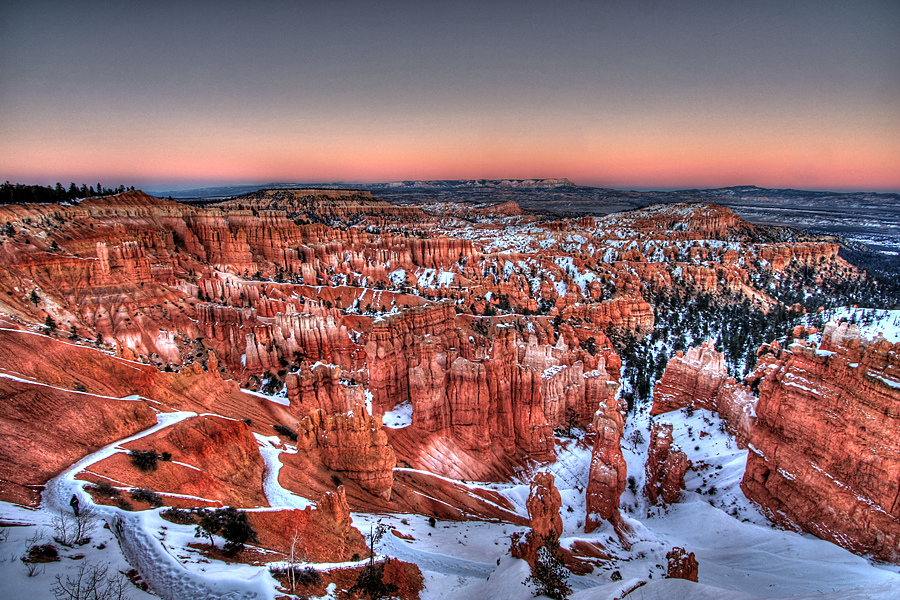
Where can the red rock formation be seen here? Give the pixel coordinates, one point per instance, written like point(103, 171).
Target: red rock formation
point(825, 456)
point(354, 444)
point(46, 429)
point(498, 403)
point(690, 380)
point(631, 314)
point(609, 472)
point(321, 535)
point(327, 204)
point(665, 468)
point(811, 253)
point(543, 505)
point(320, 388)
point(698, 379)
point(681, 565)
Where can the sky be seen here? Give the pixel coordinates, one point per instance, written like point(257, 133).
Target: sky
point(633, 94)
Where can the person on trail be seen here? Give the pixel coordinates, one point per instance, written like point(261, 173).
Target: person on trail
point(74, 504)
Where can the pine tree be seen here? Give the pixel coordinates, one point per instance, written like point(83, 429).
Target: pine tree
point(549, 574)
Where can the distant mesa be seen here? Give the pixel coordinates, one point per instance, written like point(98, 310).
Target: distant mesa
point(481, 183)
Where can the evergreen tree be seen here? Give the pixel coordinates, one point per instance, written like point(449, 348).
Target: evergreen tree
point(549, 574)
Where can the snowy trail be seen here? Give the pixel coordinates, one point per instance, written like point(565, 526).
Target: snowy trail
point(163, 572)
point(276, 495)
point(62, 487)
point(430, 561)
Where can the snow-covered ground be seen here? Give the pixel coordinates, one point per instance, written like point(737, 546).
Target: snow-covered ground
point(870, 321)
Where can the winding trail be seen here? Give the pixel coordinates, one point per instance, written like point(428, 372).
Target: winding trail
point(163, 572)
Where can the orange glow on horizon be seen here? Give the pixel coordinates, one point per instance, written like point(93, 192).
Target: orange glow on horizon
point(634, 164)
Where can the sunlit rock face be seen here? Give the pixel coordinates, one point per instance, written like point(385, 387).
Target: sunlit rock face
point(825, 455)
point(354, 444)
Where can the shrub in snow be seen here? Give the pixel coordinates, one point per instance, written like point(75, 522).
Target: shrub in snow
point(105, 489)
point(285, 431)
point(371, 584)
point(177, 515)
point(229, 523)
point(41, 553)
point(91, 582)
point(299, 576)
point(72, 529)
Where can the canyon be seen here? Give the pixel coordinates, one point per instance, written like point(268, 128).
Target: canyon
point(323, 359)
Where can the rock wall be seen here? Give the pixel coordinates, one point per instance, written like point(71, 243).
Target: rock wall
point(825, 455)
point(323, 534)
point(497, 396)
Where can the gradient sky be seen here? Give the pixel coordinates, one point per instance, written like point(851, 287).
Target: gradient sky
point(637, 94)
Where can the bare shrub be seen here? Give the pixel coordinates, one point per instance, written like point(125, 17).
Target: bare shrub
point(71, 529)
point(91, 582)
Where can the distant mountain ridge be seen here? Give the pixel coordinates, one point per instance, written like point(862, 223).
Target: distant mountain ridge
point(237, 190)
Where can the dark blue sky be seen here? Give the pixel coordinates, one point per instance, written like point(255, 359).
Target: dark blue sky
point(633, 94)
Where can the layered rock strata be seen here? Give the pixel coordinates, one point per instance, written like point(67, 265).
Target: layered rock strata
point(354, 444)
point(825, 455)
point(500, 399)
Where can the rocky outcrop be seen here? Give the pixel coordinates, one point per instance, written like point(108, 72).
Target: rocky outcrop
point(314, 204)
point(354, 444)
point(810, 253)
point(665, 468)
point(543, 505)
point(825, 456)
point(498, 403)
point(608, 472)
point(320, 387)
point(698, 379)
point(214, 462)
point(631, 314)
point(681, 565)
point(691, 379)
point(323, 534)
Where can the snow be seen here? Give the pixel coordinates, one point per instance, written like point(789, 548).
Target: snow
point(137, 538)
point(280, 398)
point(276, 495)
point(871, 322)
point(399, 417)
